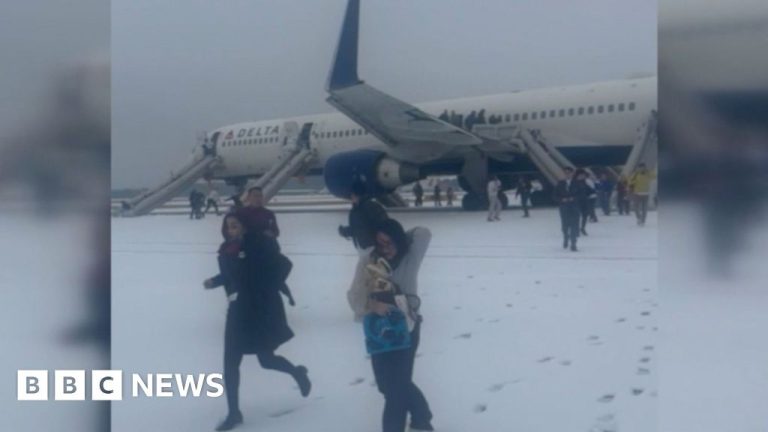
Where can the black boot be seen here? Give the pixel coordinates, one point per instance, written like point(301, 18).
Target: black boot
point(573, 247)
point(583, 231)
point(302, 379)
point(232, 420)
point(565, 243)
point(426, 427)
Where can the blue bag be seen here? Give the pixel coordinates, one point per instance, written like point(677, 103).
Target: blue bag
point(386, 333)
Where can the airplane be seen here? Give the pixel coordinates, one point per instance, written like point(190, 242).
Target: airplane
point(386, 143)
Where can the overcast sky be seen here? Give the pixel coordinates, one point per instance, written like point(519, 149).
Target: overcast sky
point(183, 67)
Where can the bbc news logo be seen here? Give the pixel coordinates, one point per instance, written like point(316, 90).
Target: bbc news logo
point(107, 385)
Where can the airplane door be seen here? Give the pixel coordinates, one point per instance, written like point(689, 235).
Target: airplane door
point(305, 140)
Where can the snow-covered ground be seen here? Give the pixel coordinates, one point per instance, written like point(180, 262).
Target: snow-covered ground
point(519, 334)
point(43, 288)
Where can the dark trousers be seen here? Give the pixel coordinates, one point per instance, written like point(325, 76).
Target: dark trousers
point(623, 203)
point(641, 207)
point(419, 201)
point(569, 220)
point(394, 377)
point(209, 204)
point(605, 202)
point(524, 201)
point(232, 359)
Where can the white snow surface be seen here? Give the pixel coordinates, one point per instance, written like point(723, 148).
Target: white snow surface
point(519, 334)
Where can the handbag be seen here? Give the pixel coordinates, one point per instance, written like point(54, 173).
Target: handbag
point(386, 333)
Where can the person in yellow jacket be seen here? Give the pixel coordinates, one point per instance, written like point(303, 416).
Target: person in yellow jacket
point(640, 185)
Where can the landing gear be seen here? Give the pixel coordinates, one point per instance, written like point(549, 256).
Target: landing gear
point(542, 198)
point(504, 200)
point(474, 202)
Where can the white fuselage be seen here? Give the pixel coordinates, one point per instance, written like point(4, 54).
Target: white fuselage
point(600, 114)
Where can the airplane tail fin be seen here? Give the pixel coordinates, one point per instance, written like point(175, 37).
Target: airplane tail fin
point(344, 70)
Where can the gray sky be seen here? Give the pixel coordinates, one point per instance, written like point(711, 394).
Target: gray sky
point(183, 67)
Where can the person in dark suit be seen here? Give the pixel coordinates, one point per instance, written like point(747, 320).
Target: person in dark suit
point(568, 193)
point(253, 273)
point(524, 192)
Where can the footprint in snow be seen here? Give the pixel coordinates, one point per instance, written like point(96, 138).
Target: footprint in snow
point(538, 282)
point(357, 381)
point(621, 320)
point(637, 391)
point(643, 371)
point(645, 313)
point(606, 423)
point(495, 320)
point(606, 398)
point(282, 413)
point(648, 348)
point(480, 408)
point(496, 387)
point(463, 336)
point(593, 338)
point(645, 360)
point(457, 307)
point(640, 327)
point(545, 360)
point(565, 363)
point(471, 277)
point(509, 305)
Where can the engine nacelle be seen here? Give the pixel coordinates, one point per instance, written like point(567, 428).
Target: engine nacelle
point(381, 174)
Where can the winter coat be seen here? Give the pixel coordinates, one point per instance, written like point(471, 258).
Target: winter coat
point(259, 219)
point(363, 220)
point(405, 274)
point(256, 320)
point(574, 193)
point(640, 182)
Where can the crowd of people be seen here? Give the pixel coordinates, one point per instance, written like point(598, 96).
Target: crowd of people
point(383, 295)
point(577, 195)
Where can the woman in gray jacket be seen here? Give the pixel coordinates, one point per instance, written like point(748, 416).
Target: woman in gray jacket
point(393, 370)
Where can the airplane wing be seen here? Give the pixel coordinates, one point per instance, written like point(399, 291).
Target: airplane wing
point(409, 131)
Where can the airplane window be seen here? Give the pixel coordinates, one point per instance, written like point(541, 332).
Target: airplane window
point(610, 108)
point(600, 109)
point(551, 113)
point(517, 117)
point(581, 110)
point(571, 111)
point(631, 106)
point(525, 116)
point(591, 110)
point(621, 107)
point(561, 113)
point(507, 118)
point(543, 114)
point(533, 116)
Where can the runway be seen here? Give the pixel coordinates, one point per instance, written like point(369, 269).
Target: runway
point(517, 331)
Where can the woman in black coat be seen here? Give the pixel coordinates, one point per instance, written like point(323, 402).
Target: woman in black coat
point(253, 273)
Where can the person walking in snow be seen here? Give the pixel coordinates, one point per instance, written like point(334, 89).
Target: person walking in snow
point(494, 203)
point(365, 215)
point(418, 193)
point(253, 273)
point(567, 194)
point(524, 192)
point(393, 324)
